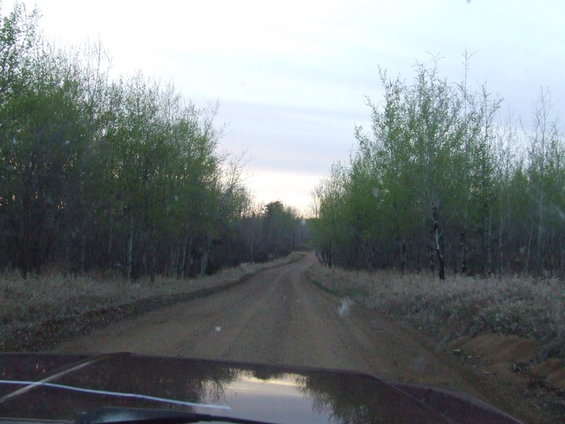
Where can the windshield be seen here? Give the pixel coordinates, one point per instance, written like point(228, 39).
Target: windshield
point(363, 186)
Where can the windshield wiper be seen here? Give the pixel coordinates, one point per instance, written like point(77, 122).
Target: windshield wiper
point(113, 415)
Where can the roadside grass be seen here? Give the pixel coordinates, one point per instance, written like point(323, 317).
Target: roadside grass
point(460, 306)
point(27, 304)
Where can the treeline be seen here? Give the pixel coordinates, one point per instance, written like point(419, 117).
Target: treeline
point(438, 184)
point(123, 174)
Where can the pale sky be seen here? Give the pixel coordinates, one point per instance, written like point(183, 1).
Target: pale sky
point(291, 77)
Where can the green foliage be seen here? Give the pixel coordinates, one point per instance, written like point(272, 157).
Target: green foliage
point(435, 184)
point(114, 174)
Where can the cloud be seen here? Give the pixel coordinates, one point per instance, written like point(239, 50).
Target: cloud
point(288, 138)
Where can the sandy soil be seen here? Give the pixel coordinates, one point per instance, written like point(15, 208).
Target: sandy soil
point(279, 317)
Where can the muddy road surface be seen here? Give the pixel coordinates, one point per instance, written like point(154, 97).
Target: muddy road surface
point(279, 317)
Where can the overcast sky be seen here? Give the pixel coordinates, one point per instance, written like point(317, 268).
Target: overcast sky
point(291, 77)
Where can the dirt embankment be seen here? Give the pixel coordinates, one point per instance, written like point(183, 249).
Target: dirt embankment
point(472, 320)
point(280, 317)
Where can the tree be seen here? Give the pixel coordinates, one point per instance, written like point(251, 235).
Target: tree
point(113, 174)
point(436, 184)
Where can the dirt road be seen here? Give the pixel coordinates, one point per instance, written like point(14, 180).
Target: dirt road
point(279, 317)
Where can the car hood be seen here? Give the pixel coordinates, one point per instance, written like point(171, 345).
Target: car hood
point(72, 384)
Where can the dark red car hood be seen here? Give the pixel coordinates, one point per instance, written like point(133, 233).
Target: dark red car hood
point(72, 384)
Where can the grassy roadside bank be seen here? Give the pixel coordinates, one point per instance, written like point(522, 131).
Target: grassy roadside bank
point(39, 312)
point(462, 306)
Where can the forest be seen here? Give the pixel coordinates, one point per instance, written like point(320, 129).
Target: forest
point(121, 173)
point(125, 174)
point(441, 182)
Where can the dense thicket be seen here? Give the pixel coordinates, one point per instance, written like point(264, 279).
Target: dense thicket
point(438, 184)
point(121, 174)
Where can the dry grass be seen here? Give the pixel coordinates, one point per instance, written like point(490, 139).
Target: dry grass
point(461, 306)
point(26, 304)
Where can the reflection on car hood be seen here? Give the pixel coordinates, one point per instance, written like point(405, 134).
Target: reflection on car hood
point(72, 384)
